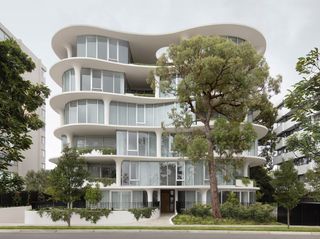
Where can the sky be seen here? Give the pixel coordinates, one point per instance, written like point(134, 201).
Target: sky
point(290, 27)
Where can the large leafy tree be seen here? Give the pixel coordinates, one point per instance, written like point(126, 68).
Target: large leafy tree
point(288, 188)
point(37, 182)
point(10, 182)
point(19, 100)
point(304, 103)
point(217, 78)
point(67, 179)
point(261, 175)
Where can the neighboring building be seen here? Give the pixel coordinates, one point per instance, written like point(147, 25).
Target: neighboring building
point(35, 156)
point(107, 105)
point(307, 212)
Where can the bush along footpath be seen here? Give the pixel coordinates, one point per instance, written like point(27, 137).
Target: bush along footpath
point(139, 213)
point(232, 212)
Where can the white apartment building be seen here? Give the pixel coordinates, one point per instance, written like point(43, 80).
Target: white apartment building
point(285, 127)
point(106, 105)
point(35, 157)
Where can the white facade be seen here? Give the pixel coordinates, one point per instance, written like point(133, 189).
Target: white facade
point(284, 128)
point(106, 105)
point(35, 156)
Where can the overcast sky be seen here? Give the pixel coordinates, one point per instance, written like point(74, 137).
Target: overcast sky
point(291, 28)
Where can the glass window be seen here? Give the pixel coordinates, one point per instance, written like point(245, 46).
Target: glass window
point(143, 144)
point(81, 46)
point(65, 82)
point(96, 80)
point(123, 52)
point(131, 114)
point(100, 112)
point(180, 171)
point(152, 144)
point(73, 112)
point(122, 114)
point(113, 51)
point(113, 119)
point(94, 170)
point(125, 173)
point(117, 83)
point(115, 200)
point(92, 111)
point(141, 113)
point(132, 141)
point(121, 142)
point(85, 79)
point(171, 174)
point(134, 171)
point(66, 114)
point(107, 81)
point(91, 46)
point(103, 48)
point(163, 174)
point(82, 111)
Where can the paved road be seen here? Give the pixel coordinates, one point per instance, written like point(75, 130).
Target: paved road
point(152, 235)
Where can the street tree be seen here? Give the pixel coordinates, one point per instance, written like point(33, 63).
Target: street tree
point(37, 182)
point(303, 101)
point(288, 189)
point(19, 101)
point(216, 78)
point(66, 181)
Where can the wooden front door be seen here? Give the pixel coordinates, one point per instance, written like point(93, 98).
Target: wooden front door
point(167, 201)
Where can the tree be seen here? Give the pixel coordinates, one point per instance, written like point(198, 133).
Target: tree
point(10, 182)
point(67, 179)
point(263, 180)
point(37, 182)
point(288, 189)
point(304, 102)
point(216, 78)
point(93, 195)
point(19, 101)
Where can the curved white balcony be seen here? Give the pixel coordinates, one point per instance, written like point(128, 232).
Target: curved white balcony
point(286, 156)
point(285, 126)
point(282, 112)
point(136, 73)
point(58, 102)
point(143, 47)
point(282, 143)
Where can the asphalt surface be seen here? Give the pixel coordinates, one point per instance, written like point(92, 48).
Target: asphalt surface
point(153, 235)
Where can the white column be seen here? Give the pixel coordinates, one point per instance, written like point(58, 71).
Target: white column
point(77, 76)
point(118, 172)
point(69, 51)
point(106, 111)
point(204, 196)
point(157, 84)
point(158, 135)
point(69, 139)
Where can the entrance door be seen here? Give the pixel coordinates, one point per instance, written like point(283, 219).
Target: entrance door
point(167, 201)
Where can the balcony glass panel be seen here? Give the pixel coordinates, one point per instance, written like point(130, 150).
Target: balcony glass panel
point(91, 46)
point(81, 46)
point(102, 48)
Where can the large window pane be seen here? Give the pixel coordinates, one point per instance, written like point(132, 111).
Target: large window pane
point(163, 174)
point(116, 200)
point(117, 83)
point(152, 144)
point(103, 48)
point(132, 141)
point(85, 79)
point(134, 170)
point(91, 46)
point(107, 81)
point(149, 115)
point(125, 173)
point(143, 144)
point(96, 80)
point(122, 114)
point(81, 46)
point(65, 82)
point(100, 112)
point(141, 114)
point(73, 112)
point(113, 50)
point(92, 111)
point(113, 119)
point(131, 114)
point(82, 110)
point(171, 174)
point(66, 114)
point(123, 52)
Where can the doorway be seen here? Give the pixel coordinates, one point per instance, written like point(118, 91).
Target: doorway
point(167, 201)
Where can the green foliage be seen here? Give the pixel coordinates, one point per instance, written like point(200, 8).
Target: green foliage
point(288, 189)
point(104, 151)
point(218, 79)
point(10, 182)
point(93, 195)
point(104, 181)
point(67, 179)
point(65, 214)
point(246, 181)
point(313, 177)
point(199, 210)
point(142, 212)
point(263, 180)
point(261, 213)
point(20, 99)
point(37, 181)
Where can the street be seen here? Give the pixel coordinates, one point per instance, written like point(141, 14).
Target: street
point(152, 234)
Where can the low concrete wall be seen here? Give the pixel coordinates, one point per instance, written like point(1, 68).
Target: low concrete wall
point(115, 218)
point(13, 214)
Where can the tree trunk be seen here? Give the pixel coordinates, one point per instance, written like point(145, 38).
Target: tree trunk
point(214, 190)
point(288, 217)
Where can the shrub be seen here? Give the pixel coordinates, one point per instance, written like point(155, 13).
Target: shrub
point(142, 212)
point(199, 210)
